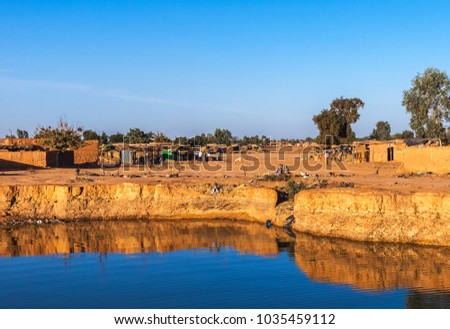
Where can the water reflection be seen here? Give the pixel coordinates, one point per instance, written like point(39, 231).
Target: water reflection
point(370, 266)
point(361, 265)
point(141, 236)
point(417, 299)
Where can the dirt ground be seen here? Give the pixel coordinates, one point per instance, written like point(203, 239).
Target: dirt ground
point(239, 169)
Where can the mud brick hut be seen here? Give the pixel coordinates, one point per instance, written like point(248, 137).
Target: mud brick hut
point(25, 153)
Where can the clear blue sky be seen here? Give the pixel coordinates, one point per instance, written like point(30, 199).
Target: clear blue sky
point(185, 67)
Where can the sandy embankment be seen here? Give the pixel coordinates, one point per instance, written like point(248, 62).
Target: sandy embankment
point(359, 213)
point(375, 215)
point(136, 201)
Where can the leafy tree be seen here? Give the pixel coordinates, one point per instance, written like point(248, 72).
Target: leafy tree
point(329, 123)
point(22, 133)
point(382, 131)
point(61, 138)
point(337, 120)
point(223, 136)
point(137, 136)
point(347, 108)
point(265, 140)
point(90, 135)
point(104, 139)
point(428, 102)
point(116, 138)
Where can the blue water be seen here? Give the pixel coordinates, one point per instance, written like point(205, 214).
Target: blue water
point(188, 278)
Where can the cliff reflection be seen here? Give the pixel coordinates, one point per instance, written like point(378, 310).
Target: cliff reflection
point(369, 266)
point(140, 236)
point(362, 265)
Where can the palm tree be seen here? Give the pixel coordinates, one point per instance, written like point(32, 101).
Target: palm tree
point(160, 137)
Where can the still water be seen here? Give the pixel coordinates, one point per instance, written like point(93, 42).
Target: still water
point(211, 264)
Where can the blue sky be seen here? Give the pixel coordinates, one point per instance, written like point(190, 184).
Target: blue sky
point(186, 67)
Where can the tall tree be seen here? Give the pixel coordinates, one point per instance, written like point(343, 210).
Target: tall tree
point(336, 121)
point(61, 138)
point(22, 133)
point(223, 136)
point(428, 102)
point(329, 123)
point(348, 109)
point(104, 138)
point(382, 131)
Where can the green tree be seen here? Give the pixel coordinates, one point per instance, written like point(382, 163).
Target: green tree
point(116, 138)
point(63, 137)
point(104, 139)
point(428, 102)
point(347, 108)
point(90, 135)
point(336, 121)
point(223, 136)
point(265, 140)
point(136, 136)
point(22, 133)
point(329, 123)
point(382, 131)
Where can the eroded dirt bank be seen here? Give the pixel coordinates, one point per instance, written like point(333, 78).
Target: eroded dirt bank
point(358, 214)
point(371, 215)
point(136, 201)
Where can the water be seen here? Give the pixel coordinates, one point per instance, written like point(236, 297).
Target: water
point(211, 264)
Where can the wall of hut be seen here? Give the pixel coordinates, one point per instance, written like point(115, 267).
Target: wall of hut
point(22, 159)
point(87, 155)
point(425, 159)
point(38, 159)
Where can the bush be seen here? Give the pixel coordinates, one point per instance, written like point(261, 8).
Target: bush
point(292, 188)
